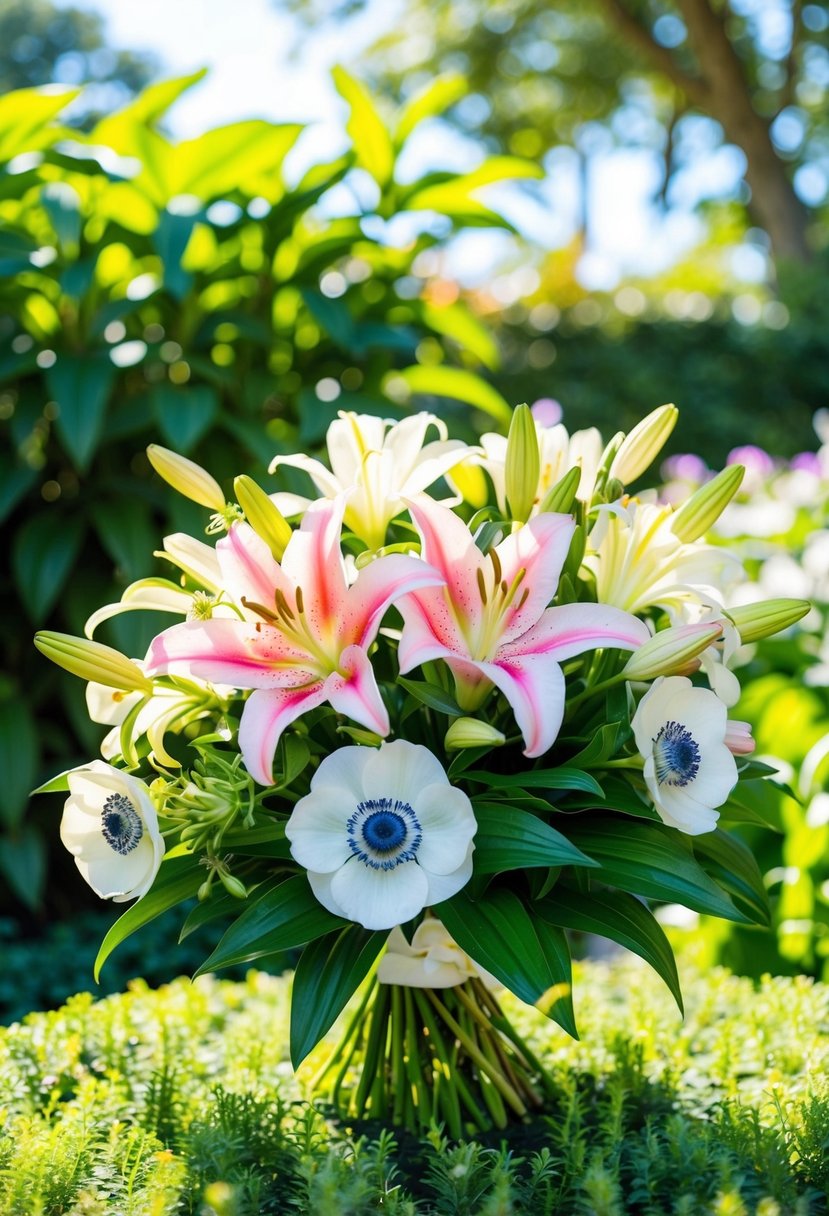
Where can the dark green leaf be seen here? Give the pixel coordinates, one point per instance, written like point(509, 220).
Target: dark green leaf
point(178, 879)
point(509, 839)
point(564, 778)
point(184, 414)
point(529, 957)
point(621, 918)
point(294, 754)
point(18, 759)
point(333, 316)
point(653, 861)
point(222, 904)
point(81, 387)
point(23, 864)
point(126, 533)
point(286, 917)
point(328, 973)
point(432, 695)
point(601, 747)
point(171, 238)
point(733, 865)
point(42, 557)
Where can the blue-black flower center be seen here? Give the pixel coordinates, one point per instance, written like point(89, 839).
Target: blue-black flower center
point(121, 824)
point(384, 832)
point(676, 755)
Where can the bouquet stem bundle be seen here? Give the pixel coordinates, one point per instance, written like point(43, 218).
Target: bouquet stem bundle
point(418, 1056)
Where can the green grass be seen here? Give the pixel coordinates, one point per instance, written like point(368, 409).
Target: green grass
point(181, 1100)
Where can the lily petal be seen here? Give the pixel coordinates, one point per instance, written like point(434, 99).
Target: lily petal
point(449, 547)
point(355, 692)
point(248, 567)
point(430, 630)
point(571, 629)
point(540, 549)
point(265, 716)
point(436, 459)
point(147, 595)
point(323, 479)
point(349, 439)
point(233, 652)
point(534, 686)
point(378, 585)
point(313, 561)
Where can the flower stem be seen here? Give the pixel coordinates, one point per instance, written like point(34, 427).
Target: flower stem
point(475, 1054)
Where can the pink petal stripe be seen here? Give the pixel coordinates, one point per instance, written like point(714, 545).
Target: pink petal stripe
point(378, 585)
point(264, 718)
point(355, 692)
point(313, 561)
point(534, 686)
point(573, 628)
point(539, 548)
point(248, 567)
point(449, 547)
point(429, 630)
point(224, 651)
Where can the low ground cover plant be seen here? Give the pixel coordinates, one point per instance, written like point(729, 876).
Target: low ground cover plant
point(182, 1100)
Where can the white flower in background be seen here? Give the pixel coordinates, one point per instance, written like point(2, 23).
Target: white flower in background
point(382, 834)
point(638, 561)
point(110, 826)
point(559, 453)
point(681, 733)
point(379, 462)
point(433, 960)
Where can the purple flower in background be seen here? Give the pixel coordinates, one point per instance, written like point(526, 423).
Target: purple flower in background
point(756, 460)
point(808, 462)
point(685, 466)
point(546, 411)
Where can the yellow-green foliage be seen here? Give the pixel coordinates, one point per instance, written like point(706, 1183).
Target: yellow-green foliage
point(182, 1101)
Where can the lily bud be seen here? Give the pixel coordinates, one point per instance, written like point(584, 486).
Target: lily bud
point(706, 505)
point(641, 447)
point(189, 478)
point(756, 621)
point(471, 732)
point(523, 464)
point(738, 738)
point(263, 515)
point(233, 885)
point(92, 661)
point(670, 650)
point(563, 494)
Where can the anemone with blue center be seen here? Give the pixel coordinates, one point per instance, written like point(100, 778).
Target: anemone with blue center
point(382, 833)
point(680, 732)
point(110, 825)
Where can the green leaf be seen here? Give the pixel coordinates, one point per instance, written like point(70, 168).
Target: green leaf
point(42, 556)
point(116, 130)
point(222, 904)
point(508, 839)
point(184, 414)
point(23, 864)
point(432, 100)
point(171, 238)
point(125, 532)
point(178, 879)
point(333, 316)
point(262, 840)
point(81, 387)
point(61, 203)
point(15, 482)
point(458, 384)
point(286, 917)
point(653, 861)
point(329, 971)
point(564, 778)
point(456, 194)
point(602, 746)
point(432, 695)
point(733, 865)
point(294, 754)
point(372, 142)
point(25, 120)
point(530, 957)
point(18, 759)
point(621, 918)
point(458, 322)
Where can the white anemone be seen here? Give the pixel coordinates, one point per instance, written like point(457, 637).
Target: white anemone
point(382, 834)
point(680, 731)
point(432, 960)
point(110, 826)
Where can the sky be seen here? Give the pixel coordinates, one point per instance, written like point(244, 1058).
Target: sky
point(247, 45)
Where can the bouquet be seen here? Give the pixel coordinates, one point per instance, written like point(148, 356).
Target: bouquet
point(420, 728)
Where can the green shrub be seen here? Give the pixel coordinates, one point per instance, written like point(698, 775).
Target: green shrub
point(182, 1100)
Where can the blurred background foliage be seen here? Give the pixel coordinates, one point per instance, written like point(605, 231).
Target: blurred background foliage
point(209, 295)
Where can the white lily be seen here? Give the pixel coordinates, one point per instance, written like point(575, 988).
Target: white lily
point(432, 960)
point(379, 463)
point(559, 452)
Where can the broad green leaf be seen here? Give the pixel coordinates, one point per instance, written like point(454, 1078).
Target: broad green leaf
point(757, 801)
point(42, 556)
point(333, 316)
point(458, 384)
point(457, 191)
point(222, 904)
point(81, 387)
point(372, 142)
point(563, 778)
point(62, 204)
point(23, 864)
point(458, 322)
point(601, 747)
point(219, 161)
point(432, 100)
point(293, 756)
point(530, 957)
point(432, 695)
point(126, 533)
point(15, 481)
point(184, 415)
point(25, 120)
point(171, 238)
point(178, 879)
point(328, 973)
point(19, 753)
point(509, 839)
point(620, 917)
point(117, 130)
point(733, 865)
point(653, 861)
point(286, 917)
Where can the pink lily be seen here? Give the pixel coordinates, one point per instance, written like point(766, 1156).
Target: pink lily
point(306, 634)
point(491, 624)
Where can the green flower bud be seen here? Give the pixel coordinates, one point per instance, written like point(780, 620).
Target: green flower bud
point(189, 478)
point(706, 505)
point(92, 661)
point(563, 494)
point(523, 464)
point(232, 884)
point(670, 650)
point(263, 516)
point(471, 732)
point(641, 447)
point(756, 621)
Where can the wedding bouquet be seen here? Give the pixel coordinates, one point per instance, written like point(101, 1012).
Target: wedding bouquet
point(419, 728)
